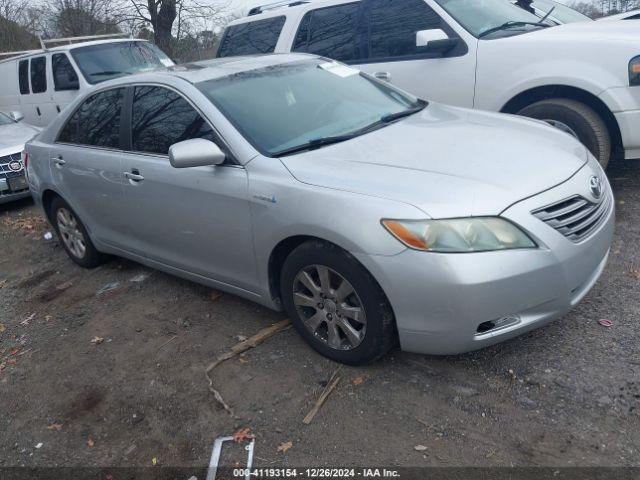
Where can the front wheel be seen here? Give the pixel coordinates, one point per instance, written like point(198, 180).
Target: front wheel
point(576, 119)
point(336, 305)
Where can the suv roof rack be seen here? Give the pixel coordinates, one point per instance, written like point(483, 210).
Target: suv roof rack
point(71, 40)
point(272, 6)
point(17, 54)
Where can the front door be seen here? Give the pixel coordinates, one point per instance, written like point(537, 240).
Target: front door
point(194, 219)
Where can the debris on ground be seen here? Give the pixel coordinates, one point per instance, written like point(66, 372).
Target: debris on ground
point(139, 278)
point(242, 435)
point(215, 295)
point(28, 224)
point(154, 461)
point(26, 321)
point(420, 448)
point(108, 289)
point(2, 327)
point(283, 447)
point(167, 342)
point(90, 442)
point(359, 380)
point(217, 451)
point(239, 348)
point(39, 445)
point(55, 426)
point(97, 340)
point(48, 236)
point(605, 323)
point(331, 385)
point(3, 283)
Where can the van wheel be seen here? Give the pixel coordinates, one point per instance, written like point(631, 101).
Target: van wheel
point(336, 305)
point(577, 119)
point(74, 236)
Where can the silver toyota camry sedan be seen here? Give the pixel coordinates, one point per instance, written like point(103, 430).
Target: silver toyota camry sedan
point(370, 216)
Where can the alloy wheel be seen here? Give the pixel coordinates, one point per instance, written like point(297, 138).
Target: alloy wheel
point(70, 233)
point(329, 307)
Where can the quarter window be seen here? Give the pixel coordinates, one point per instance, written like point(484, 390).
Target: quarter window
point(96, 122)
point(161, 117)
point(23, 76)
point(39, 75)
point(393, 26)
point(331, 32)
point(64, 75)
point(251, 38)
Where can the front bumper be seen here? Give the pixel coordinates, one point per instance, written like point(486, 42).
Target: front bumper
point(440, 300)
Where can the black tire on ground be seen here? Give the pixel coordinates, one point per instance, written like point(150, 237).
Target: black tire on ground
point(91, 257)
point(380, 334)
point(587, 124)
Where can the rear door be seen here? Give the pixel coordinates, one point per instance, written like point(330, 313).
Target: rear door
point(86, 164)
point(194, 219)
point(38, 105)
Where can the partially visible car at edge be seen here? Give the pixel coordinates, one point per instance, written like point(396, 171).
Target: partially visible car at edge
point(367, 214)
point(630, 15)
point(557, 12)
point(13, 135)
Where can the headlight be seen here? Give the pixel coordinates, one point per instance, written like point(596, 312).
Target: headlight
point(634, 72)
point(459, 235)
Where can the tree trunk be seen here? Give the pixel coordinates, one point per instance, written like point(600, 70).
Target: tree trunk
point(162, 21)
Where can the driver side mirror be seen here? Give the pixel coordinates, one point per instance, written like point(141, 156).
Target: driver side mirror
point(197, 152)
point(16, 116)
point(434, 40)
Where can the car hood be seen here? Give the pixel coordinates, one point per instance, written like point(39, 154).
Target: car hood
point(591, 32)
point(447, 161)
point(14, 136)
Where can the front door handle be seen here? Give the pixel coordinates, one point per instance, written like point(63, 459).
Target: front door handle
point(133, 176)
point(385, 76)
point(59, 161)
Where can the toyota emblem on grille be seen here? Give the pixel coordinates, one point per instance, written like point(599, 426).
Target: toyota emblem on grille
point(15, 166)
point(595, 185)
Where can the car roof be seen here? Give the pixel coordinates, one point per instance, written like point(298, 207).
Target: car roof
point(212, 69)
point(293, 8)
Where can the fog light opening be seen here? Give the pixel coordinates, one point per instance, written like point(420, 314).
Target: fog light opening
point(486, 327)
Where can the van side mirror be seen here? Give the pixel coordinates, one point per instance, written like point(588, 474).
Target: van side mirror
point(16, 116)
point(197, 152)
point(434, 40)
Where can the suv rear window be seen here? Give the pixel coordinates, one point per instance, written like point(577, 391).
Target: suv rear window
point(331, 32)
point(252, 37)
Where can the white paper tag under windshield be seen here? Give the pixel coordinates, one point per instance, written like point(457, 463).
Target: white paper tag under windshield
point(338, 69)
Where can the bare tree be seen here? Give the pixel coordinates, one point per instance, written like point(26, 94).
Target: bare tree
point(72, 18)
point(16, 26)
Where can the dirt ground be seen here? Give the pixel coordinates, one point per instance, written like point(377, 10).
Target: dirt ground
point(564, 395)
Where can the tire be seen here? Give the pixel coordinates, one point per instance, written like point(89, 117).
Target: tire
point(341, 310)
point(587, 125)
point(87, 257)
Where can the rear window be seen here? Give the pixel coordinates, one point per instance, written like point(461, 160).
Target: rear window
point(331, 32)
point(23, 76)
point(251, 37)
point(39, 75)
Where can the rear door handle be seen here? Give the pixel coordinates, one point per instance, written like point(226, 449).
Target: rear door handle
point(386, 76)
point(59, 161)
point(133, 176)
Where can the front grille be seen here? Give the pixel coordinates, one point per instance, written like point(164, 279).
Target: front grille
point(576, 217)
point(5, 171)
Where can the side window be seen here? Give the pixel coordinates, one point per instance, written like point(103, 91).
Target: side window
point(23, 76)
point(96, 122)
point(393, 26)
point(161, 117)
point(64, 76)
point(39, 75)
point(251, 38)
point(331, 32)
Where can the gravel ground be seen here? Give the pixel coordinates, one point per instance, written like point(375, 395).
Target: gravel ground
point(564, 395)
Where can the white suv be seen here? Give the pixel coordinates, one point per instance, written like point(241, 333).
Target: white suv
point(486, 54)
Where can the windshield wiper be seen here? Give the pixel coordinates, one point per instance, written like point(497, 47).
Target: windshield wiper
point(511, 24)
point(108, 72)
point(325, 141)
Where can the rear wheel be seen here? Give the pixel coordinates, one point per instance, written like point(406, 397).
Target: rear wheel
point(576, 119)
point(74, 236)
point(336, 305)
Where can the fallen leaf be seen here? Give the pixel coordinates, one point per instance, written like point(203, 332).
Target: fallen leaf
point(359, 380)
point(15, 350)
point(215, 295)
point(242, 435)
point(2, 283)
point(419, 448)
point(154, 461)
point(55, 426)
point(48, 318)
point(90, 442)
point(243, 359)
point(2, 327)
point(634, 273)
point(283, 447)
point(64, 286)
point(97, 340)
point(2, 366)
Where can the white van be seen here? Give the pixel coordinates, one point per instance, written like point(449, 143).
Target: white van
point(582, 77)
point(40, 83)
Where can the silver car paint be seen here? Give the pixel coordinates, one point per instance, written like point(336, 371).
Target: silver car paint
point(219, 225)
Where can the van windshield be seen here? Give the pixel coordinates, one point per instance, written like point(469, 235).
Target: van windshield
point(499, 17)
point(304, 105)
point(111, 60)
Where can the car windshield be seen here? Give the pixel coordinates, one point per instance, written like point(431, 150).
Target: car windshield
point(110, 60)
point(480, 16)
point(4, 120)
point(306, 104)
point(562, 13)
